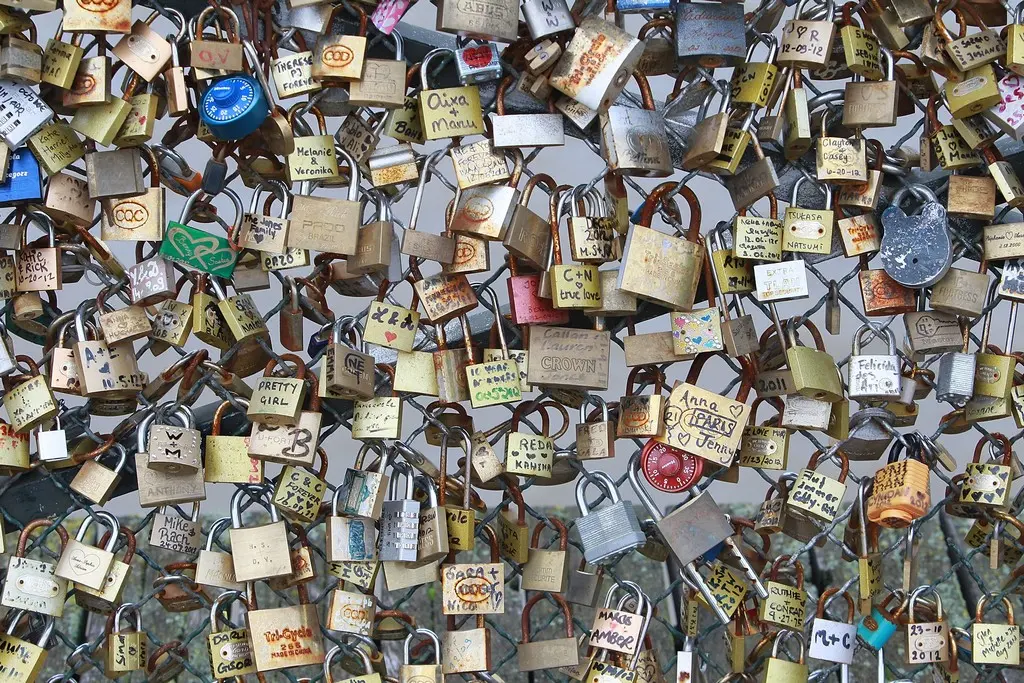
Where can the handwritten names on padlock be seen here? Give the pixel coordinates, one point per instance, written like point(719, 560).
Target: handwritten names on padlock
point(473, 588)
point(995, 644)
point(293, 75)
point(391, 326)
point(528, 454)
point(704, 423)
point(616, 630)
point(568, 357)
point(764, 447)
point(299, 492)
point(727, 587)
point(817, 495)
point(785, 605)
point(175, 533)
point(758, 238)
point(493, 383)
point(445, 296)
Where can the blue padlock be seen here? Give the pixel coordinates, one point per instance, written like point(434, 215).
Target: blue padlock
point(235, 106)
point(23, 181)
point(876, 629)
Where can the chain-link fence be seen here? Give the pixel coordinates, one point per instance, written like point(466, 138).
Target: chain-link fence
point(961, 578)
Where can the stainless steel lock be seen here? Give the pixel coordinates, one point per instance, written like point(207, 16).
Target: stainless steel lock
point(956, 375)
point(400, 521)
point(547, 17)
point(916, 249)
point(175, 450)
point(868, 439)
point(610, 532)
point(874, 377)
point(478, 63)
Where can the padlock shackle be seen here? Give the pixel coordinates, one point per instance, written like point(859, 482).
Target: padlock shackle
point(537, 597)
point(599, 479)
point(105, 518)
point(218, 415)
point(776, 566)
point(563, 533)
point(659, 195)
point(218, 526)
point(422, 632)
point(41, 523)
point(835, 592)
point(646, 370)
point(979, 610)
point(222, 601)
point(467, 446)
point(336, 652)
point(1007, 447)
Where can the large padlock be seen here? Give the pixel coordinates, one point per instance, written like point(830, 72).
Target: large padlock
point(599, 87)
point(634, 141)
point(816, 495)
point(175, 450)
point(995, 643)
point(609, 532)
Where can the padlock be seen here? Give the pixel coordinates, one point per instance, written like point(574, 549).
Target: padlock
point(595, 440)
point(266, 233)
point(278, 401)
point(486, 210)
point(957, 370)
point(994, 643)
point(215, 568)
point(547, 570)
point(104, 600)
point(840, 160)
point(350, 611)
point(312, 155)
point(634, 141)
point(227, 458)
point(260, 552)
point(807, 44)
point(421, 673)
point(199, 249)
point(547, 654)
point(641, 415)
point(971, 197)
point(175, 450)
point(693, 530)
point(583, 587)
point(448, 112)
point(399, 521)
point(299, 494)
point(370, 674)
point(328, 223)
point(84, 564)
point(304, 647)
point(815, 374)
point(951, 150)
point(622, 628)
point(348, 371)
point(784, 669)
point(31, 657)
point(29, 403)
point(833, 641)
point(32, 584)
point(529, 454)
point(61, 60)
point(609, 532)
point(379, 417)
point(39, 269)
point(174, 532)
point(525, 130)
point(816, 495)
point(126, 650)
point(785, 605)
point(862, 196)
point(927, 642)
point(230, 650)
point(961, 292)
point(987, 485)
point(596, 88)
point(807, 230)
point(758, 238)
point(383, 80)
point(753, 82)
point(738, 334)
point(874, 377)
point(901, 492)
point(685, 254)
point(767, 445)
point(363, 491)
point(872, 104)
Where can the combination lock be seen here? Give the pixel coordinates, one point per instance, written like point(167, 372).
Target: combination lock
point(234, 107)
point(668, 468)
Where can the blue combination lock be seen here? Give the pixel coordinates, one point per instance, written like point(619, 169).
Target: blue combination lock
point(235, 106)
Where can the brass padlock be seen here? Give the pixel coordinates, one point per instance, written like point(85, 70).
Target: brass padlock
point(230, 651)
point(547, 570)
point(448, 112)
point(32, 585)
point(641, 415)
point(258, 552)
point(547, 654)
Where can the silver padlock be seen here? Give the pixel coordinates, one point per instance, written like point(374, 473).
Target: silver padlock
point(583, 587)
point(916, 250)
point(400, 521)
point(23, 113)
point(695, 528)
point(117, 173)
point(956, 375)
point(634, 141)
point(547, 17)
point(152, 281)
point(52, 444)
point(175, 450)
point(609, 532)
point(478, 63)
point(868, 439)
point(874, 377)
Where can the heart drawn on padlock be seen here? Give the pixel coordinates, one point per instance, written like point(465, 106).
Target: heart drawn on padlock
point(390, 336)
point(736, 410)
point(83, 563)
point(477, 57)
